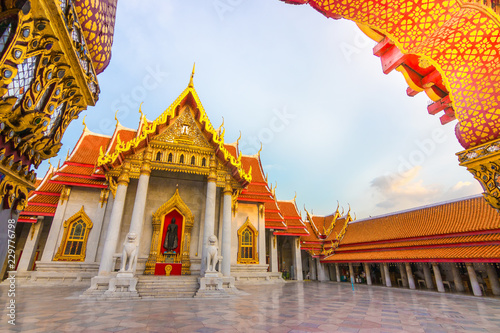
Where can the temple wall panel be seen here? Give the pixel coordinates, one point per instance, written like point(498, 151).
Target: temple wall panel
point(245, 210)
point(104, 229)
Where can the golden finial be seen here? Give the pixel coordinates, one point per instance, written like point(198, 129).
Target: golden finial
point(295, 197)
point(220, 128)
point(116, 118)
point(50, 163)
point(238, 140)
point(140, 110)
point(58, 164)
point(191, 85)
point(83, 123)
point(258, 153)
point(67, 155)
point(266, 177)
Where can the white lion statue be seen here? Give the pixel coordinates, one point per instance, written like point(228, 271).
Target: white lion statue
point(129, 253)
point(212, 251)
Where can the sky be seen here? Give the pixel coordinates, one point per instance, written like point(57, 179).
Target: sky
point(333, 126)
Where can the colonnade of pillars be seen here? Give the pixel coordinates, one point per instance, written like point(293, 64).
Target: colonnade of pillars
point(460, 276)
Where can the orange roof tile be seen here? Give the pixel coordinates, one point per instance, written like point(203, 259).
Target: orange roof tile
point(88, 147)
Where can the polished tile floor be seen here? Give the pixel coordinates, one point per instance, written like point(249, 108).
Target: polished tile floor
point(292, 307)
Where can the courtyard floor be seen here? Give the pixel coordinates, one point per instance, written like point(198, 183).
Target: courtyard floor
point(291, 307)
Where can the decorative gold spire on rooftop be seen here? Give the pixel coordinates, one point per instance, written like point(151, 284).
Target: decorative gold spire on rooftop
point(191, 85)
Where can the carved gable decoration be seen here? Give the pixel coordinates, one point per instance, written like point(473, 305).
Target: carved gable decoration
point(184, 130)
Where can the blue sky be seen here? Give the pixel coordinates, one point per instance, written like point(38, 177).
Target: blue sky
point(333, 126)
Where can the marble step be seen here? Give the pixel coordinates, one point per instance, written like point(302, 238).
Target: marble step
point(151, 286)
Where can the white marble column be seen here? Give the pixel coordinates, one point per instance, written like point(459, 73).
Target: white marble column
point(476, 289)
point(368, 274)
point(409, 274)
point(351, 273)
point(115, 221)
point(55, 232)
point(226, 228)
point(382, 274)
point(297, 259)
point(437, 275)
point(404, 279)
point(457, 279)
point(337, 272)
point(428, 276)
point(137, 221)
point(493, 277)
point(209, 223)
point(312, 268)
point(273, 252)
point(96, 232)
point(29, 250)
point(388, 282)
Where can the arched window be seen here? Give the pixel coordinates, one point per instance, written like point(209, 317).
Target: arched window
point(158, 156)
point(74, 242)
point(247, 241)
point(181, 159)
point(170, 157)
point(192, 160)
point(204, 162)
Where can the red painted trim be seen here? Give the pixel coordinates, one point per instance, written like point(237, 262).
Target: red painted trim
point(43, 204)
point(255, 193)
point(75, 175)
point(462, 260)
point(38, 214)
point(287, 234)
point(417, 247)
point(274, 220)
point(279, 228)
point(54, 194)
point(27, 220)
point(457, 234)
point(254, 200)
point(78, 184)
point(84, 165)
point(272, 211)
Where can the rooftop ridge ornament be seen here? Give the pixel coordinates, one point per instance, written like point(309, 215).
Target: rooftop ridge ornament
point(83, 123)
point(116, 118)
point(191, 85)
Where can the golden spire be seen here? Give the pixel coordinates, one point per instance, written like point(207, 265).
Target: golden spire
point(191, 85)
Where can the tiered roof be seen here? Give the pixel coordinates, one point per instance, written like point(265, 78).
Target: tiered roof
point(453, 231)
point(293, 220)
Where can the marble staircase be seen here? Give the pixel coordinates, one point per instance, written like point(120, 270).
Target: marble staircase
point(154, 286)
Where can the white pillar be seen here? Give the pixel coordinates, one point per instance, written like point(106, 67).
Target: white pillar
point(351, 273)
point(388, 282)
point(437, 275)
point(137, 221)
point(337, 272)
point(457, 279)
point(115, 221)
point(493, 277)
point(29, 250)
point(368, 274)
point(476, 289)
point(409, 274)
point(428, 276)
point(404, 279)
point(297, 259)
point(95, 235)
point(226, 228)
point(382, 274)
point(312, 267)
point(209, 224)
point(273, 252)
point(55, 232)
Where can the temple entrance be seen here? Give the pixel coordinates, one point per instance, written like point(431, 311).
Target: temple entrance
point(169, 253)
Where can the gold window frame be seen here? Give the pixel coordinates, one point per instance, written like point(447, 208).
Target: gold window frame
point(255, 232)
point(80, 215)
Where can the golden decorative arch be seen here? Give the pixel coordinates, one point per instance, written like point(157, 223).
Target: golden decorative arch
point(74, 241)
point(155, 253)
point(247, 243)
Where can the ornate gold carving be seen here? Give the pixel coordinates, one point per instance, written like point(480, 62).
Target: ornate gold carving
point(124, 178)
point(234, 200)
point(103, 198)
point(79, 217)
point(261, 210)
point(146, 162)
point(254, 233)
point(155, 254)
point(212, 175)
point(66, 190)
point(112, 185)
point(168, 269)
point(228, 189)
point(483, 162)
point(171, 112)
